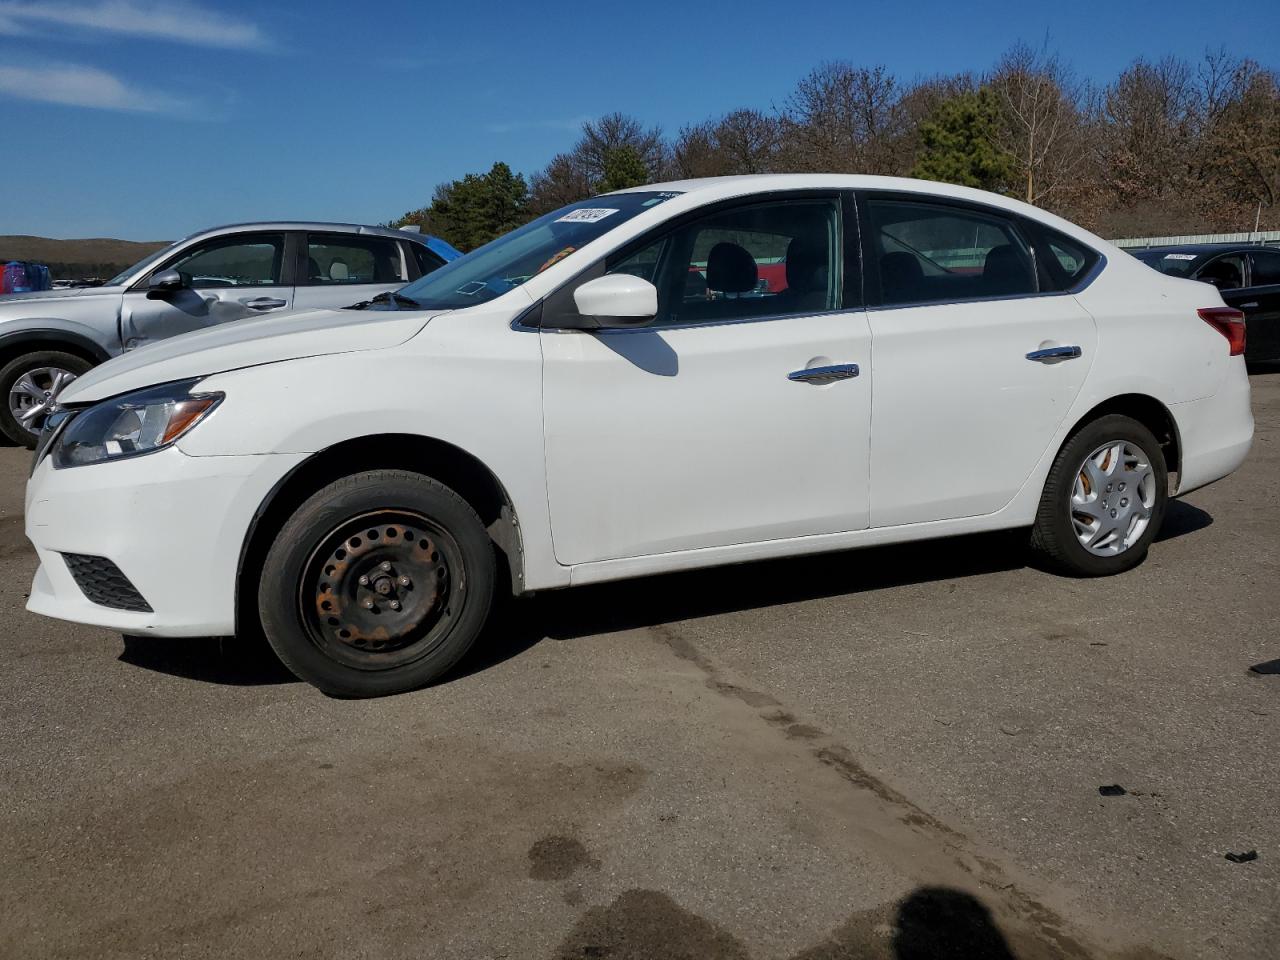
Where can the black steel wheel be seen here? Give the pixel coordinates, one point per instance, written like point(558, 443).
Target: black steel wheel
point(378, 584)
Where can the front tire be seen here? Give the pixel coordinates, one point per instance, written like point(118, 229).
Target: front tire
point(28, 386)
point(1104, 499)
point(378, 584)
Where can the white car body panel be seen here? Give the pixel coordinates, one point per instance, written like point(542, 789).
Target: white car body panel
point(955, 393)
point(695, 436)
point(626, 453)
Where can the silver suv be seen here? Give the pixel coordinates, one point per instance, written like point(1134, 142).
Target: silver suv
point(48, 339)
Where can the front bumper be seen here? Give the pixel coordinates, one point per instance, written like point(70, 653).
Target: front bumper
point(173, 524)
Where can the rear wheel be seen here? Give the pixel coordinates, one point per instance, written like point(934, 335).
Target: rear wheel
point(1104, 499)
point(378, 584)
point(29, 384)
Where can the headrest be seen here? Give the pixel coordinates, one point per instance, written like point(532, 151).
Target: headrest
point(338, 270)
point(805, 265)
point(730, 269)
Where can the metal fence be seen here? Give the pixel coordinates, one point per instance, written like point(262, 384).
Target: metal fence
point(1266, 236)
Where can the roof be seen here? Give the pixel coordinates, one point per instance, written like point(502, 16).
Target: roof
point(709, 188)
point(311, 225)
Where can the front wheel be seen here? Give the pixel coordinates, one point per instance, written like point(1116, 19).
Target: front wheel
point(1104, 499)
point(378, 584)
point(29, 385)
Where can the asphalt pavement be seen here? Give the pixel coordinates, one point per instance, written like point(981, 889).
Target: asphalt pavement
point(888, 753)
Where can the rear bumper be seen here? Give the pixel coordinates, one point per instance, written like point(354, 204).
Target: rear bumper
point(1216, 432)
point(174, 525)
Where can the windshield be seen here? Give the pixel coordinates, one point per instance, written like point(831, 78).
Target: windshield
point(1174, 263)
point(505, 263)
point(145, 262)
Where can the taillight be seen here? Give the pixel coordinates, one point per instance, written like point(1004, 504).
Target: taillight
point(1228, 322)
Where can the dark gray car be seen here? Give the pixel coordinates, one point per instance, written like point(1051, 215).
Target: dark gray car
point(1247, 276)
point(47, 339)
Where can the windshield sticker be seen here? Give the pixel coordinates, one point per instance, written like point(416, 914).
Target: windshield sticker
point(1180, 256)
point(472, 288)
point(586, 215)
point(556, 258)
point(659, 199)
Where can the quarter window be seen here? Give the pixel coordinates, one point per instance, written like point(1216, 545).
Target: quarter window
point(337, 259)
point(935, 253)
point(768, 259)
point(233, 262)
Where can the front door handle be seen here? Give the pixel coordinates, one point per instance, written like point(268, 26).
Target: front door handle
point(1054, 354)
point(265, 303)
point(829, 374)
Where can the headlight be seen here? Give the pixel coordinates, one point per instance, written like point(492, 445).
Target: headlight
point(133, 424)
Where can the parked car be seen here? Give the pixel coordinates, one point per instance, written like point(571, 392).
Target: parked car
point(1247, 276)
point(47, 339)
point(561, 406)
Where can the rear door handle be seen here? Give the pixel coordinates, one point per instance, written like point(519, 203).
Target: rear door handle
point(1054, 354)
point(1248, 306)
point(265, 303)
point(829, 374)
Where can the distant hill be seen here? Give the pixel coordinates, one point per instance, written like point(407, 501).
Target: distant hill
point(76, 259)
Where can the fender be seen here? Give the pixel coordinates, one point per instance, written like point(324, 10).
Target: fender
point(53, 331)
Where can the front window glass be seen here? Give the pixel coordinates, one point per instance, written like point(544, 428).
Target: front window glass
point(505, 263)
point(930, 253)
point(1225, 273)
point(1266, 268)
point(762, 260)
point(240, 262)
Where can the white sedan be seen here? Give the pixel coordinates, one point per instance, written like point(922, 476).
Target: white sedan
point(676, 376)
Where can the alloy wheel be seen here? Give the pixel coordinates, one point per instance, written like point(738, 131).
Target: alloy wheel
point(33, 394)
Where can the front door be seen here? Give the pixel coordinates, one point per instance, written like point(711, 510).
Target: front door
point(974, 369)
point(226, 279)
point(741, 415)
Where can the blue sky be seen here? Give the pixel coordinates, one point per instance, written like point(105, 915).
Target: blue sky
point(148, 119)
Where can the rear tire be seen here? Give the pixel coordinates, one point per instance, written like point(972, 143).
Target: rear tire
point(378, 584)
point(1104, 499)
point(40, 368)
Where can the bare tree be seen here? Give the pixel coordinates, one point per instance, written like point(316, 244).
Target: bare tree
point(1041, 128)
point(1240, 146)
point(741, 142)
point(845, 119)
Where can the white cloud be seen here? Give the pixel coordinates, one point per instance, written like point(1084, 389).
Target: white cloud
point(176, 20)
point(79, 86)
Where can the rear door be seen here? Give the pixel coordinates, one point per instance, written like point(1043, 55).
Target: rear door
point(1262, 306)
point(975, 367)
point(339, 269)
point(227, 278)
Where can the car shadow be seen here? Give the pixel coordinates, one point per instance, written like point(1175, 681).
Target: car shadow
point(518, 625)
point(1258, 368)
point(231, 661)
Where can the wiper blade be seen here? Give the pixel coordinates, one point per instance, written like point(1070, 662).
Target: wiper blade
point(392, 297)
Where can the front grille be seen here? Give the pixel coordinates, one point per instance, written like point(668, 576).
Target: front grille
point(104, 584)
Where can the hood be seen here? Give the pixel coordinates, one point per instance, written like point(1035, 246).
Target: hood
point(71, 293)
point(246, 343)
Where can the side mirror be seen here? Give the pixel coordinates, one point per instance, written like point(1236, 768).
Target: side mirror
point(164, 283)
point(617, 300)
